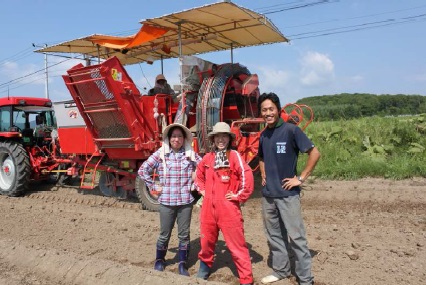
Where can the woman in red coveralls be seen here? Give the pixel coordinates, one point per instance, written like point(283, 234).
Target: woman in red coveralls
point(225, 180)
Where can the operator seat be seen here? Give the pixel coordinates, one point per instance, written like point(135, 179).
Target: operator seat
point(28, 136)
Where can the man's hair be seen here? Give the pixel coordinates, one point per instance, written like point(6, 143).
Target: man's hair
point(271, 96)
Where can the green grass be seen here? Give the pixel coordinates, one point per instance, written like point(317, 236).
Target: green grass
point(389, 147)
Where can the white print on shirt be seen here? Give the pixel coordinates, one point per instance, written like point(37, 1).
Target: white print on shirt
point(281, 147)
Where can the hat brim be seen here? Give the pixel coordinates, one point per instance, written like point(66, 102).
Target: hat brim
point(212, 134)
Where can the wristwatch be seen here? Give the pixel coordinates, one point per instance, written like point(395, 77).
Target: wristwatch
point(300, 179)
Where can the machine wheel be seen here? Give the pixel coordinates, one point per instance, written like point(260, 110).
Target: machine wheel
point(15, 169)
point(59, 178)
point(149, 202)
point(106, 185)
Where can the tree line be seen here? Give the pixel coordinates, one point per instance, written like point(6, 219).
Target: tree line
point(350, 106)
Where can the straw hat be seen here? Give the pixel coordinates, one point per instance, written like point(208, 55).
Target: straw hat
point(221, 128)
point(165, 148)
point(188, 134)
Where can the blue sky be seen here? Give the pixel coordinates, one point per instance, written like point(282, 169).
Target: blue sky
point(359, 46)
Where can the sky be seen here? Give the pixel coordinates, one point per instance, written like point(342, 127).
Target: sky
point(346, 46)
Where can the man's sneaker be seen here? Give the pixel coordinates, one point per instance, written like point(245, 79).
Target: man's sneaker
point(269, 279)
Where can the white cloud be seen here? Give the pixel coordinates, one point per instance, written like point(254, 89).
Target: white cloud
point(271, 79)
point(20, 74)
point(317, 70)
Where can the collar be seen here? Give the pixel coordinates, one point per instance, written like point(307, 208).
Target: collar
point(278, 123)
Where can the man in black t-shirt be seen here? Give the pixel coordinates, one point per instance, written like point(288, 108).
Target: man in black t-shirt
point(279, 147)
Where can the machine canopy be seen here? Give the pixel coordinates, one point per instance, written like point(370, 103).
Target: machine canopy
point(214, 27)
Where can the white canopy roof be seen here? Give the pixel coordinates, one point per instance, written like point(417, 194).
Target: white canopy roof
point(214, 27)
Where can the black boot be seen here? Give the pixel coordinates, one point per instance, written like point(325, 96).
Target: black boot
point(160, 259)
point(204, 271)
point(183, 259)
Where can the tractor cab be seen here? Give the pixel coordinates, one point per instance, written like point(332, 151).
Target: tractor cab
point(39, 125)
point(32, 124)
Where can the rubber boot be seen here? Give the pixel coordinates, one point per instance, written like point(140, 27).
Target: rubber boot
point(183, 259)
point(204, 271)
point(160, 259)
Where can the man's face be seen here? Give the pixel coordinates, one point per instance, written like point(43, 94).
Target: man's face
point(269, 112)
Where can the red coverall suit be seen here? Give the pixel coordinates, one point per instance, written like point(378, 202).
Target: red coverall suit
point(218, 213)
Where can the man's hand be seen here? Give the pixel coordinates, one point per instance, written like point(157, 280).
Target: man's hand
point(288, 183)
point(263, 180)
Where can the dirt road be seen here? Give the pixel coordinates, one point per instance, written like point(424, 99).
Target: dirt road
point(370, 231)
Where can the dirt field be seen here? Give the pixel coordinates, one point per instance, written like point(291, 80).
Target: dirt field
point(371, 231)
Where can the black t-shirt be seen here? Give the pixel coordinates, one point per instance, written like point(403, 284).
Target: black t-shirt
point(279, 147)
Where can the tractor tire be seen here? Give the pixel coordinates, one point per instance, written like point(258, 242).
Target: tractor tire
point(148, 201)
point(15, 171)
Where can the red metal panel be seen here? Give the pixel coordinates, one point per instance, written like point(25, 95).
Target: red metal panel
point(77, 140)
point(25, 101)
point(118, 117)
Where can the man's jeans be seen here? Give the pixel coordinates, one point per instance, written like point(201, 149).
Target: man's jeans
point(286, 212)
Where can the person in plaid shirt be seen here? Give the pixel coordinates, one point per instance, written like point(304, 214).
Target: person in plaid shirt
point(175, 163)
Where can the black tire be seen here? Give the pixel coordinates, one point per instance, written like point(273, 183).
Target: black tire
point(106, 185)
point(148, 201)
point(15, 169)
point(59, 178)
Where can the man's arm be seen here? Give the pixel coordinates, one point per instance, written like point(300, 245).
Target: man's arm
point(314, 156)
point(262, 171)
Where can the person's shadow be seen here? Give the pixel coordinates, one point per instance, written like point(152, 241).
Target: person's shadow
point(222, 258)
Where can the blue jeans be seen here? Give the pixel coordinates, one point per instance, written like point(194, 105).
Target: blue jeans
point(168, 216)
point(286, 212)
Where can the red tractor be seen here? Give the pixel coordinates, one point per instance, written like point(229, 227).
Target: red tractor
point(27, 150)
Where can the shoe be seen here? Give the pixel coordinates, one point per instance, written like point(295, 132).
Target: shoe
point(246, 284)
point(204, 271)
point(270, 279)
point(183, 258)
point(159, 265)
point(160, 261)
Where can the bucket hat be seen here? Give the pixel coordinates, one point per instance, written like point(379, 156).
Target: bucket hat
point(165, 148)
point(188, 134)
point(221, 128)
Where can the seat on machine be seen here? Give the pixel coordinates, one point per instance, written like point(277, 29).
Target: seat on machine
point(28, 135)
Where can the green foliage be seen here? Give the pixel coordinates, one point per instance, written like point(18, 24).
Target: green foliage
point(350, 106)
point(389, 147)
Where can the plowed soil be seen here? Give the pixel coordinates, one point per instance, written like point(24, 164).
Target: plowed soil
point(370, 231)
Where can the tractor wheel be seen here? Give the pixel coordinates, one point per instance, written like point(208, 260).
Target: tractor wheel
point(15, 169)
point(106, 185)
point(149, 202)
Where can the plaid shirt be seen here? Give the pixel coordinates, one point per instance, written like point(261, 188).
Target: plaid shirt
point(177, 181)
